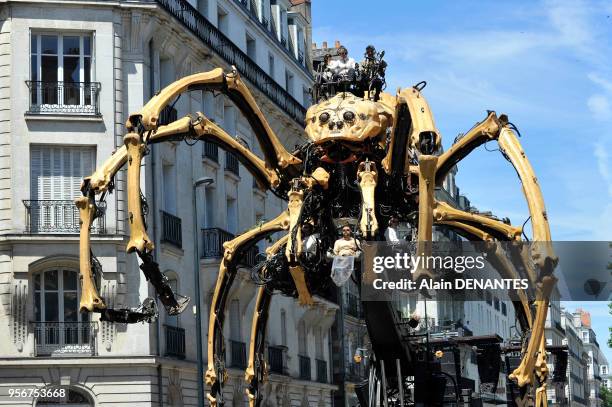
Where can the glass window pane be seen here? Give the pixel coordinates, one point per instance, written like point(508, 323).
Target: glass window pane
point(71, 45)
point(36, 282)
point(51, 280)
point(48, 44)
point(87, 45)
point(72, 68)
point(33, 40)
point(71, 311)
point(51, 307)
point(70, 280)
point(87, 69)
point(37, 307)
point(49, 68)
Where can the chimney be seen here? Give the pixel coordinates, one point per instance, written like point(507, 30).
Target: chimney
point(324, 45)
point(337, 44)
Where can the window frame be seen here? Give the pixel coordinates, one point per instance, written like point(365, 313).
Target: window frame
point(60, 34)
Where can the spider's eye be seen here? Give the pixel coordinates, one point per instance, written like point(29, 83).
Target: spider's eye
point(324, 117)
point(349, 116)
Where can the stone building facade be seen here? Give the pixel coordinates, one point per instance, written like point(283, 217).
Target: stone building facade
point(70, 74)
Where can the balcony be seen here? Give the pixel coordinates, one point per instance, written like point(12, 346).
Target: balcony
point(65, 338)
point(175, 342)
point(321, 370)
point(238, 353)
point(210, 151)
point(76, 98)
point(214, 238)
point(167, 115)
point(59, 216)
point(276, 359)
point(171, 229)
point(210, 35)
point(304, 367)
point(231, 163)
point(268, 26)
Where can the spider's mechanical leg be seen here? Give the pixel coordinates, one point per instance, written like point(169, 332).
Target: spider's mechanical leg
point(227, 271)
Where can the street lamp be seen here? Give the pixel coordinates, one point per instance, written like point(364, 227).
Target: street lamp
point(204, 181)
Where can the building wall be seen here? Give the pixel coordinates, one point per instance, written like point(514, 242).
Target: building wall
point(138, 48)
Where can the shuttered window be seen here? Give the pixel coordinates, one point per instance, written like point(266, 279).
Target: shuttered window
point(56, 172)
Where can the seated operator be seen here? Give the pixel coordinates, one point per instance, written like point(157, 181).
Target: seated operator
point(347, 245)
point(343, 67)
point(392, 234)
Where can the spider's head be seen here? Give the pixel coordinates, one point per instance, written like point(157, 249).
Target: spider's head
point(346, 117)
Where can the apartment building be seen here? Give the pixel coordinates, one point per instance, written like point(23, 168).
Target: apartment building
point(70, 74)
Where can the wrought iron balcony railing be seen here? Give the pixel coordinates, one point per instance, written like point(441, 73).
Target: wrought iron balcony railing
point(214, 238)
point(171, 229)
point(233, 55)
point(238, 352)
point(276, 359)
point(268, 26)
point(321, 371)
point(167, 115)
point(175, 342)
point(231, 163)
point(304, 367)
point(210, 151)
point(64, 97)
point(59, 216)
point(213, 242)
point(65, 338)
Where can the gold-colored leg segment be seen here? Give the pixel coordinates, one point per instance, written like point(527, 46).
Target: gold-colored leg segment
point(256, 372)
point(443, 212)
point(100, 180)
point(227, 272)
point(139, 239)
point(231, 85)
point(293, 250)
point(367, 177)
point(486, 130)
point(90, 298)
point(427, 173)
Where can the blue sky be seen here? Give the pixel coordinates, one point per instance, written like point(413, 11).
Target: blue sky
point(547, 64)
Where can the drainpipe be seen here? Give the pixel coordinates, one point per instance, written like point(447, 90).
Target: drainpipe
point(158, 326)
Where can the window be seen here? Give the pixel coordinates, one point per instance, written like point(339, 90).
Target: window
point(56, 173)
point(306, 97)
point(289, 82)
point(319, 343)
point(251, 47)
point(60, 327)
point(61, 74)
point(234, 313)
point(169, 187)
point(271, 65)
point(222, 23)
point(203, 7)
point(283, 328)
point(302, 344)
point(72, 399)
point(232, 215)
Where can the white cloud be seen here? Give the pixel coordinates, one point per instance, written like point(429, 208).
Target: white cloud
point(603, 164)
point(599, 107)
point(604, 83)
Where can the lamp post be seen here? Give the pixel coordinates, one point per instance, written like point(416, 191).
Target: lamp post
point(204, 181)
